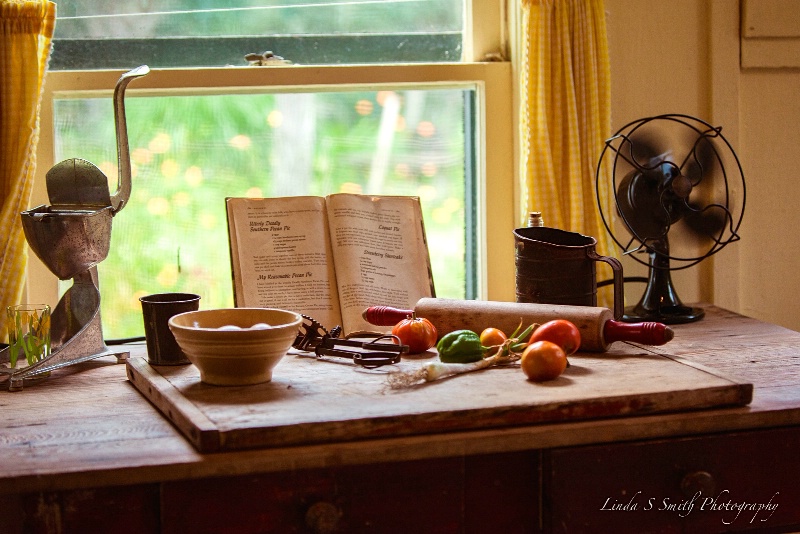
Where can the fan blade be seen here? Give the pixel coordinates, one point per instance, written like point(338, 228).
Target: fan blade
point(700, 172)
point(709, 222)
point(646, 149)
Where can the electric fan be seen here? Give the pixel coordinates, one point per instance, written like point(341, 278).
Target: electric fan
point(679, 192)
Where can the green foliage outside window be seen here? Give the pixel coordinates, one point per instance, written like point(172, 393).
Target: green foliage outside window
point(190, 152)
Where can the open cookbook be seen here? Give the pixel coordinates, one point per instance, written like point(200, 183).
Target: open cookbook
point(329, 257)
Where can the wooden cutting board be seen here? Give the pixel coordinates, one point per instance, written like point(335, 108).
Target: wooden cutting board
point(311, 400)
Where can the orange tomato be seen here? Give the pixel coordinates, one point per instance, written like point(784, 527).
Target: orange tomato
point(561, 332)
point(543, 360)
point(416, 332)
point(492, 336)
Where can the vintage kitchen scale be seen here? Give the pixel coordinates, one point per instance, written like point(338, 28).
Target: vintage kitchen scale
point(71, 236)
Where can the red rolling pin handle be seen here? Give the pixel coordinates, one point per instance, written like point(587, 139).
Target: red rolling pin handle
point(385, 315)
point(648, 333)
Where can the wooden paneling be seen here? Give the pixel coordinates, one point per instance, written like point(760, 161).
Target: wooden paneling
point(770, 33)
point(770, 18)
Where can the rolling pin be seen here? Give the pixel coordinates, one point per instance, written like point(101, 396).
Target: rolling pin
point(597, 325)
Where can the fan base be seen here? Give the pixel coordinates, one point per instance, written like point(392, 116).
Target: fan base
point(665, 314)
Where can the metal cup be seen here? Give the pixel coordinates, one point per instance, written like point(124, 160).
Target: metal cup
point(162, 349)
point(554, 266)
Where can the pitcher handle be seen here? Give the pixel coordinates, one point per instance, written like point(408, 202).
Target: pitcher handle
point(619, 294)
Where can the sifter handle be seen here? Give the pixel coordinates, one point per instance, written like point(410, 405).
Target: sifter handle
point(647, 333)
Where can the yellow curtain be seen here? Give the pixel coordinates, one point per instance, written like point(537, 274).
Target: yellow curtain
point(25, 43)
point(566, 116)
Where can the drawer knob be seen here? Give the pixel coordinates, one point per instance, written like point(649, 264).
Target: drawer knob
point(323, 517)
point(695, 481)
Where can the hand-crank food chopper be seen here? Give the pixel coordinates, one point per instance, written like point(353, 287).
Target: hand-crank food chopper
point(71, 236)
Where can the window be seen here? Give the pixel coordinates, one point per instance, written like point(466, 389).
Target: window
point(187, 33)
point(430, 127)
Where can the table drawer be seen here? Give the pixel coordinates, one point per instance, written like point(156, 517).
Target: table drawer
point(717, 483)
point(450, 495)
point(117, 509)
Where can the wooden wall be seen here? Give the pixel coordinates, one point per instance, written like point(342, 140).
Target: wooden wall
point(684, 56)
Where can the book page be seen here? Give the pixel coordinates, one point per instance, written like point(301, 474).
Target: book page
point(381, 254)
point(281, 256)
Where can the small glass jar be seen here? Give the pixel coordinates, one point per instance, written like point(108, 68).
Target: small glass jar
point(28, 328)
point(535, 219)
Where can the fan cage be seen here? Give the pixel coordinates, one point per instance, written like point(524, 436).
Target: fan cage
point(623, 138)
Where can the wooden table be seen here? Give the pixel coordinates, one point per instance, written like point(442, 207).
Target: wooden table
point(84, 451)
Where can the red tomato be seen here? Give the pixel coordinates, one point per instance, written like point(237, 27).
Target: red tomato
point(561, 332)
point(416, 332)
point(542, 361)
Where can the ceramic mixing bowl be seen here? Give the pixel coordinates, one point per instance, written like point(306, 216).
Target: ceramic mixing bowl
point(235, 346)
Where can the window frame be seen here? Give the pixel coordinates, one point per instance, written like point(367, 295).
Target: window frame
point(498, 195)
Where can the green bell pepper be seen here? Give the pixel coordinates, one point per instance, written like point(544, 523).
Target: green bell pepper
point(460, 346)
